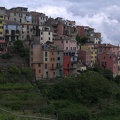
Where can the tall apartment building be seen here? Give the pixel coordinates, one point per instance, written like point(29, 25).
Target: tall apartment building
point(42, 19)
point(86, 31)
point(66, 43)
point(44, 61)
point(109, 60)
point(90, 47)
point(23, 17)
point(11, 31)
point(45, 34)
point(70, 61)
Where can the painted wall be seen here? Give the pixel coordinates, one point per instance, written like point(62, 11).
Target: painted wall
point(110, 62)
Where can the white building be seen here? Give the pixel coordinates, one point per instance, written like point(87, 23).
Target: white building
point(45, 34)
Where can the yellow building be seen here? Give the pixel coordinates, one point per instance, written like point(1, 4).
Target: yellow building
point(1, 24)
point(93, 51)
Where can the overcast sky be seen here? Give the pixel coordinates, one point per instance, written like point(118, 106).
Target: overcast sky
point(103, 15)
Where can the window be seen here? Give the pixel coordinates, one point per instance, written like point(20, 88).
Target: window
point(41, 33)
point(58, 52)
point(52, 53)
point(45, 54)
point(71, 48)
point(31, 29)
point(66, 41)
point(58, 58)
point(1, 16)
point(31, 52)
point(52, 65)
point(39, 65)
point(41, 38)
point(74, 48)
point(1, 27)
point(61, 41)
point(0, 21)
point(67, 65)
point(66, 48)
point(45, 59)
point(39, 71)
point(49, 38)
point(49, 33)
point(53, 73)
point(27, 26)
point(45, 66)
point(61, 38)
point(110, 57)
point(20, 21)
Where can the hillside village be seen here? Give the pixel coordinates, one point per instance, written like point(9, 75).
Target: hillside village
point(58, 47)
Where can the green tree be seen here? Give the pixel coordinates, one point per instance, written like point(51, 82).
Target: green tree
point(14, 70)
point(81, 40)
point(18, 46)
point(117, 79)
point(108, 74)
point(78, 39)
point(84, 40)
point(28, 73)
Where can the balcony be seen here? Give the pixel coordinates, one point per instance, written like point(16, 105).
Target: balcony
point(59, 67)
point(52, 68)
point(6, 32)
point(17, 32)
point(12, 32)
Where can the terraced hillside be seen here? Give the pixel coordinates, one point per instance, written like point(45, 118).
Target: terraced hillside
point(18, 95)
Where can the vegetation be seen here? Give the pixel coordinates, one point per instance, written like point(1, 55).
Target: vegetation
point(81, 40)
point(92, 95)
point(19, 49)
point(6, 56)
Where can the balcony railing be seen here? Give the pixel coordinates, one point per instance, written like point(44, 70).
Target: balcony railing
point(17, 32)
point(58, 67)
point(52, 68)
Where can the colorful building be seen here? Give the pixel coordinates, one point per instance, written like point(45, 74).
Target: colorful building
point(60, 64)
point(70, 61)
point(85, 57)
point(45, 61)
point(66, 43)
point(45, 34)
point(11, 31)
point(109, 60)
point(93, 50)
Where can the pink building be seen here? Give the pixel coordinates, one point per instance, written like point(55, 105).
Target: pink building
point(107, 48)
point(85, 57)
point(108, 60)
point(65, 43)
